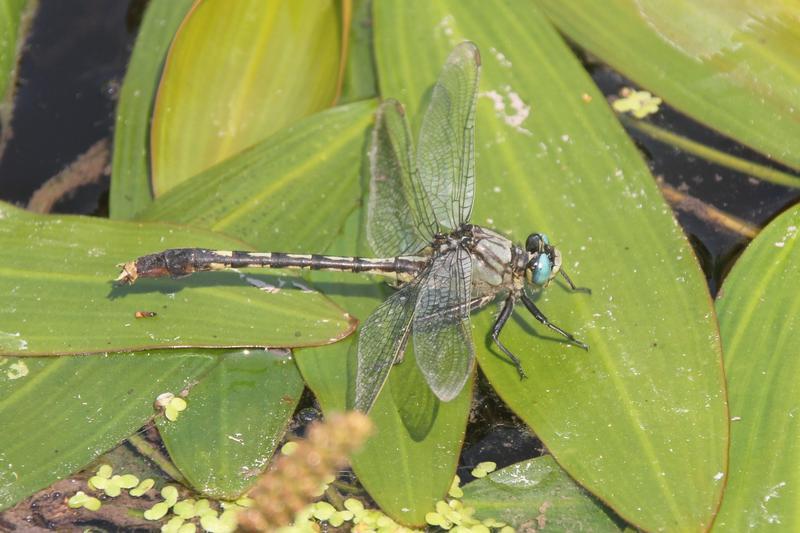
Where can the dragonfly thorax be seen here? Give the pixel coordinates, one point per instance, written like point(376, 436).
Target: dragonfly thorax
point(497, 263)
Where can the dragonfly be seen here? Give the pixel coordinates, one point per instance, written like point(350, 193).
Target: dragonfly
point(418, 225)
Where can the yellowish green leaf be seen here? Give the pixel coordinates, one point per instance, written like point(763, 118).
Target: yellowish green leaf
point(57, 273)
point(759, 319)
point(130, 165)
point(640, 419)
point(730, 64)
point(237, 72)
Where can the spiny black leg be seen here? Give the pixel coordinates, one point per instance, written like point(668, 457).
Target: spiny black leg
point(572, 285)
point(508, 308)
point(543, 319)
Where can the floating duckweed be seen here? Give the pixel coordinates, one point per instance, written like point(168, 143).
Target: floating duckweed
point(323, 510)
point(245, 501)
point(187, 528)
point(221, 524)
point(92, 504)
point(340, 517)
point(229, 520)
point(209, 521)
point(174, 407)
point(163, 399)
point(491, 522)
point(185, 509)
point(442, 507)
point(638, 103)
point(353, 505)
point(77, 500)
point(484, 468)
point(455, 490)
point(97, 482)
point(157, 511)
point(141, 488)
point(170, 495)
point(81, 499)
point(126, 481)
point(305, 514)
point(453, 516)
point(384, 521)
point(203, 507)
point(289, 448)
point(112, 487)
point(434, 519)
point(173, 525)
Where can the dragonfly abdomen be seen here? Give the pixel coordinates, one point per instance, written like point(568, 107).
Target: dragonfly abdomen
point(180, 262)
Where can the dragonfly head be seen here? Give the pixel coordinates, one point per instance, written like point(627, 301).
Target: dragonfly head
point(544, 261)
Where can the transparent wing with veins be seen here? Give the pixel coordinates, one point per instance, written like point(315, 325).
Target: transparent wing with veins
point(446, 147)
point(399, 218)
point(382, 341)
point(441, 332)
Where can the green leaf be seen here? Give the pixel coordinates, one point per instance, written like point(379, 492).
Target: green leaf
point(640, 420)
point(536, 492)
point(56, 274)
point(15, 18)
point(726, 64)
point(290, 192)
point(358, 82)
point(759, 318)
point(10, 25)
point(234, 420)
point(65, 412)
point(236, 72)
point(409, 463)
point(130, 166)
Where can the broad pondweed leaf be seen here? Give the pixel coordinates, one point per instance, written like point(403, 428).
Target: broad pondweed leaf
point(130, 166)
point(409, 462)
point(60, 414)
point(291, 192)
point(358, 81)
point(759, 320)
point(234, 419)
point(731, 65)
point(236, 73)
point(537, 493)
point(57, 273)
point(643, 410)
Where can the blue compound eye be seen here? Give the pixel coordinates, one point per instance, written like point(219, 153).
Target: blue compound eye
point(544, 238)
point(542, 269)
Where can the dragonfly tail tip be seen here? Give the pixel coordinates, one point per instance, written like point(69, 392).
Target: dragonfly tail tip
point(129, 273)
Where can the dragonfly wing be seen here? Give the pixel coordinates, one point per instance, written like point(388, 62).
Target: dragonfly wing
point(441, 332)
point(381, 341)
point(397, 222)
point(446, 148)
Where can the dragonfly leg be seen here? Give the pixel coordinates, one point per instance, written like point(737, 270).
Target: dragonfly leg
point(538, 315)
point(572, 285)
point(508, 307)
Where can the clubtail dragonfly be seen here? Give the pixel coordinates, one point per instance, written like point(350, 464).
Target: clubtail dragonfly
point(418, 223)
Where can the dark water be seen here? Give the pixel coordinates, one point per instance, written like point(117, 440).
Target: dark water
point(75, 60)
